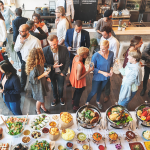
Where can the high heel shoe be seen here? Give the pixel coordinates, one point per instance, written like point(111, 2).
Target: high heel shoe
point(47, 112)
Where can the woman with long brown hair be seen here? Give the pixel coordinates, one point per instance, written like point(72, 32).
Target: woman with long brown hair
point(35, 70)
point(135, 43)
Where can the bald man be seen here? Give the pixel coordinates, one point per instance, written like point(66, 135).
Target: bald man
point(24, 43)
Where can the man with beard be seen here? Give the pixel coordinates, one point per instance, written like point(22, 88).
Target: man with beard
point(56, 57)
point(24, 43)
point(114, 47)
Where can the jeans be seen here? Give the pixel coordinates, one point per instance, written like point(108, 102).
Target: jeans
point(97, 87)
point(146, 77)
point(98, 41)
point(58, 80)
point(20, 57)
point(23, 75)
point(107, 88)
point(125, 101)
point(77, 95)
point(14, 107)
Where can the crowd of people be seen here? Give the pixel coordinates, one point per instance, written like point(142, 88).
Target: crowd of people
point(46, 58)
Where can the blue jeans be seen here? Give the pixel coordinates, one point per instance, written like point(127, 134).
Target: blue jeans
point(58, 80)
point(14, 107)
point(125, 101)
point(97, 87)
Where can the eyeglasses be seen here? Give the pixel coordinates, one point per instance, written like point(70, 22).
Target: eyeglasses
point(56, 12)
point(21, 31)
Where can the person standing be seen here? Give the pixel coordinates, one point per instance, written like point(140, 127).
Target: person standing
point(24, 43)
point(35, 70)
point(146, 58)
point(77, 75)
point(62, 24)
point(69, 8)
point(16, 23)
point(103, 70)
point(114, 47)
point(37, 20)
point(132, 77)
point(106, 21)
point(57, 57)
point(11, 87)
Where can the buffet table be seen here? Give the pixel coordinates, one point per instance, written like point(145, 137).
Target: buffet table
point(103, 132)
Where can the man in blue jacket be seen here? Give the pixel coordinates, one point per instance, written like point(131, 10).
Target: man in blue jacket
point(75, 38)
point(16, 24)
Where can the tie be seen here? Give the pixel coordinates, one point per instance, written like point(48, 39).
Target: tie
point(65, 6)
point(75, 41)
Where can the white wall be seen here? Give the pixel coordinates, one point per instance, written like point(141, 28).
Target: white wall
point(31, 4)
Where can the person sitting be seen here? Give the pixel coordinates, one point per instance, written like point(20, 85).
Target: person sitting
point(146, 58)
point(135, 43)
point(42, 25)
point(77, 75)
point(75, 38)
point(103, 70)
point(56, 57)
point(35, 70)
point(11, 87)
point(42, 35)
point(132, 77)
point(114, 47)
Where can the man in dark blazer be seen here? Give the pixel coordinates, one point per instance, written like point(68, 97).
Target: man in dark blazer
point(16, 24)
point(75, 38)
point(56, 57)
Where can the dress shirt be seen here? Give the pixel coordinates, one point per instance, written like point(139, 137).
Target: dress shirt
point(113, 45)
point(69, 7)
point(55, 57)
point(29, 43)
point(3, 33)
point(79, 38)
point(6, 14)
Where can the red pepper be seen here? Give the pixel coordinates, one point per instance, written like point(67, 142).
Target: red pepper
point(109, 113)
point(147, 118)
point(144, 114)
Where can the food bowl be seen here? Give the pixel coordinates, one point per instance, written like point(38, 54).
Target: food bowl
point(101, 147)
point(81, 136)
point(52, 124)
point(113, 136)
point(61, 147)
point(26, 139)
point(26, 132)
point(83, 120)
point(85, 147)
point(97, 136)
point(130, 136)
point(68, 134)
point(148, 134)
point(69, 145)
point(54, 133)
point(45, 131)
point(36, 134)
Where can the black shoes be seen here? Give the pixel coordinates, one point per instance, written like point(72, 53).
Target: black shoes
point(62, 102)
point(143, 92)
point(54, 102)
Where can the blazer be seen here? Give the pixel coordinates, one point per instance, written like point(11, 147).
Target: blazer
point(85, 38)
point(12, 88)
point(16, 24)
point(63, 57)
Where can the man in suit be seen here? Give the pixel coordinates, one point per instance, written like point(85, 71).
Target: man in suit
point(16, 24)
point(56, 57)
point(75, 38)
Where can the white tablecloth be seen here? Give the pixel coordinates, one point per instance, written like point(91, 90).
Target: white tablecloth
point(60, 141)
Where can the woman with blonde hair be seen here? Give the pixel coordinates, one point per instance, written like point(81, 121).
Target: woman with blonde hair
point(62, 24)
point(132, 77)
point(103, 70)
point(35, 70)
point(77, 75)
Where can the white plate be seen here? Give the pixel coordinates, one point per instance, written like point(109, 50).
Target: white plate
point(1, 121)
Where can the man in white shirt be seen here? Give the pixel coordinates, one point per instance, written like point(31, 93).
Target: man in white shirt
point(69, 8)
point(24, 43)
point(62, 24)
point(114, 47)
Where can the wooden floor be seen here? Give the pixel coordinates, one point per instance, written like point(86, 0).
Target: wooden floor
point(28, 104)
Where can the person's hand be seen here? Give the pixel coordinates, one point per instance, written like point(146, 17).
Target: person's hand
point(71, 20)
point(13, 43)
point(91, 68)
point(56, 21)
point(46, 73)
point(69, 48)
point(22, 40)
point(106, 74)
point(61, 74)
point(36, 25)
point(1, 44)
point(48, 79)
point(1, 90)
point(56, 65)
point(111, 72)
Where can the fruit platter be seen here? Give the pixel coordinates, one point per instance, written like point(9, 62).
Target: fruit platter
point(118, 116)
point(39, 122)
point(88, 116)
point(143, 114)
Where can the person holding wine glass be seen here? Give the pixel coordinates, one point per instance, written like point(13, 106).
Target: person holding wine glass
point(103, 70)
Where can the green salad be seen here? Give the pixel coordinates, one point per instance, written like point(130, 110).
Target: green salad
point(42, 145)
point(15, 128)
